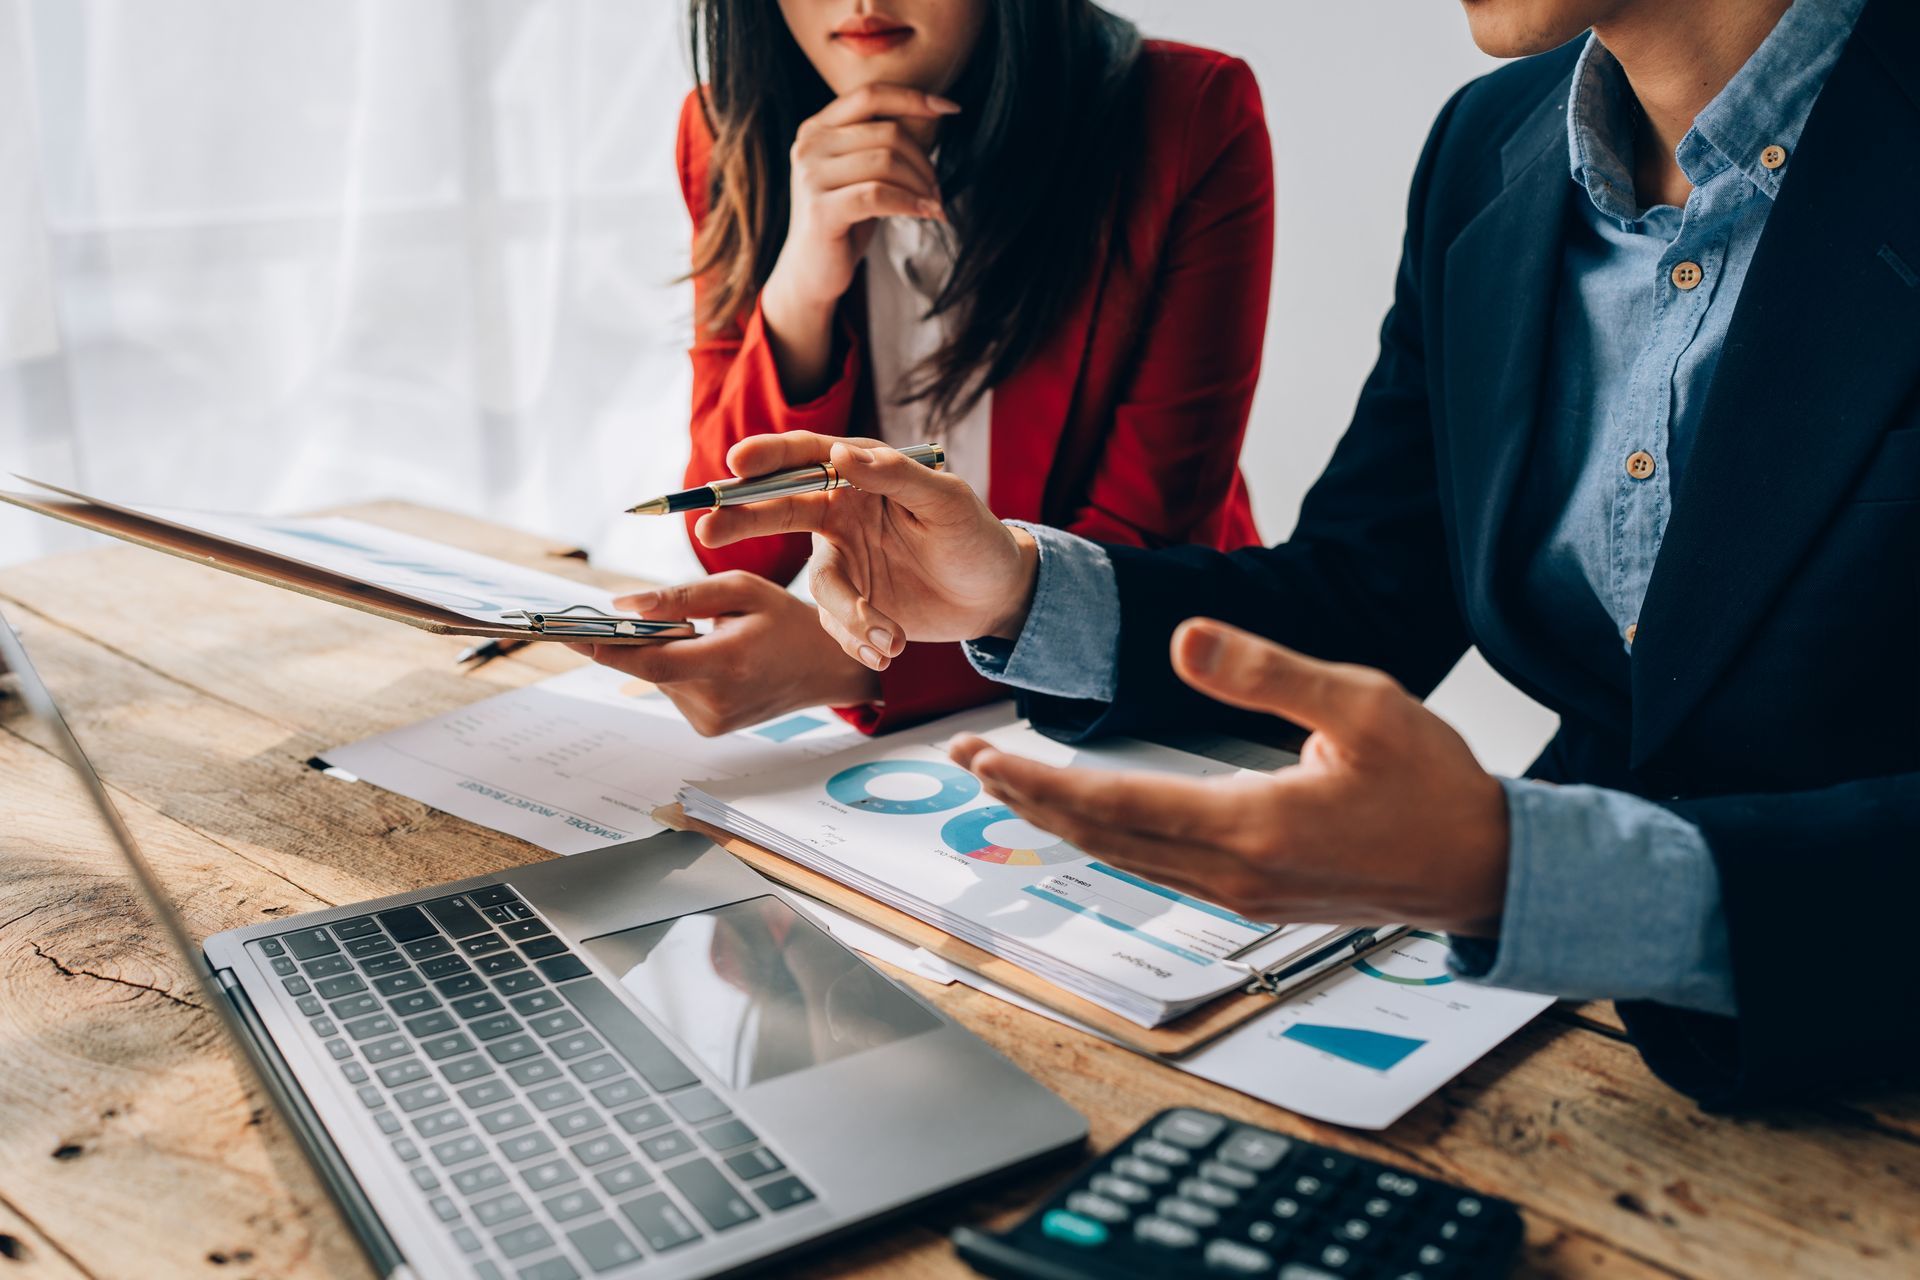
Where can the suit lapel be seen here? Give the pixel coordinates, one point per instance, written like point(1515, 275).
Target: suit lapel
point(1823, 349)
point(1498, 310)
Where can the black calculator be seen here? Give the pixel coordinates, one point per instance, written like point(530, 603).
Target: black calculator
point(1194, 1193)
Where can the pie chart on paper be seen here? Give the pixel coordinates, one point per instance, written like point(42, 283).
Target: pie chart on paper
point(971, 834)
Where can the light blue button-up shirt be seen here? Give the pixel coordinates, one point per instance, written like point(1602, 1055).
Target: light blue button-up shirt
point(1608, 895)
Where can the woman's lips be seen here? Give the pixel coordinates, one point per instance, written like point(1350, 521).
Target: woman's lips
point(872, 42)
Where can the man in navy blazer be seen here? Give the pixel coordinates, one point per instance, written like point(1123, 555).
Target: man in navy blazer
point(1645, 428)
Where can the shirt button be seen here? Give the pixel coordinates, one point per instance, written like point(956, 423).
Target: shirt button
point(1633, 629)
point(1685, 275)
point(1773, 157)
point(1640, 464)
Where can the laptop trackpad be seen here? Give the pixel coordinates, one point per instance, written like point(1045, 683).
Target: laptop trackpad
point(757, 990)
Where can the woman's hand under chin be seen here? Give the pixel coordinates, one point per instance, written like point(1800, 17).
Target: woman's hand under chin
point(766, 654)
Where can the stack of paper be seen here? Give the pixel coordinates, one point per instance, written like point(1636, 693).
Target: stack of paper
point(898, 821)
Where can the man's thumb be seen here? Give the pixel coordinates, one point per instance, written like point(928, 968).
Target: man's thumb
point(1244, 670)
point(892, 474)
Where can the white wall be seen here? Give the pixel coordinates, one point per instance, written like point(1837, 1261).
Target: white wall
point(272, 255)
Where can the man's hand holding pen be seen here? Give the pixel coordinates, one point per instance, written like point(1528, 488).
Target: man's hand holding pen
point(1388, 816)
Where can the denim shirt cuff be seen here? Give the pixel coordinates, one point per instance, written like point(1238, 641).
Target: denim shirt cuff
point(1070, 643)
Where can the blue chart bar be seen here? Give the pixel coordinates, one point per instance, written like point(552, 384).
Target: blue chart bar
point(791, 727)
point(1374, 1049)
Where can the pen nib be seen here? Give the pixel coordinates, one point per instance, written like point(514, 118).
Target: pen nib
point(652, 507)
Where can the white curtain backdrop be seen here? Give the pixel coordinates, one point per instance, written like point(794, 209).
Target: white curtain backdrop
point(265, 255)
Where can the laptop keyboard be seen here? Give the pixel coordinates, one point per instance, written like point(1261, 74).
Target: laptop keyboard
point(551, 1130)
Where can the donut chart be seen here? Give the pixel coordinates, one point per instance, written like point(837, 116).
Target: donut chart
point(1372, 970)
point(966, 834)
point(955, 786)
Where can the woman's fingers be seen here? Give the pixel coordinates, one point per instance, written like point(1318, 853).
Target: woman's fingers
point(874, 134)
point(880, 102)
point(863, 201)
point(872, 164)
point(714, 597)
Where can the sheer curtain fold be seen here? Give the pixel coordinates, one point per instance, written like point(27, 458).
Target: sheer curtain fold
point(280, 254)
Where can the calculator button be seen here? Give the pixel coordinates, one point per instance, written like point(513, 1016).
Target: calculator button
point(1194, 1215)
point(1226, 1175)
point(1088, 1205)
point(1306, 1188)
point(1161, 1153)
point(1233, 1258)
point(1431, 1255)
point(1397, 1184)
point(1336, 1257)
point(1209, 1193)
point(1468, 1207)
point(1123, 1189)
point(1191, 1129)
point(1141, 1170)
point(1353, 1231)
point(1260, 1231)
point(1252, 1149)
point(1168, 1235)
point(1071, 1228)
point(1288, 1209)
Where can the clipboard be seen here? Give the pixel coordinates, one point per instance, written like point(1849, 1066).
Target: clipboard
point(574, 622)
point(1170, 1040)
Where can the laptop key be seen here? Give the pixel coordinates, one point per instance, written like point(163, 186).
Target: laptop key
point(284, 967)
point(446, 1208)
point(491, 1213)
point(621, 1179)
point(711, 1195)
point(574, 1123)
point(535, 1002)
point(327, 966)
point(378, 1051)
point(513, 1049)
point(618, 1093)
point(514, 983)
point(443, 966)
point(455, 1150)
point(462, 984)
point(389, 962)
point(436, 1023)
point(630, 1037)
point(333, 988)
point(428, 948)
point(478, 1006)
point(404, 1148)
point(643, 1119)
point(485, 1094)
point(576, 1045)
point(309, 943)
point(552, 1024)
point(404, 924)
point(551, 1096)
point(521, 930)
point(457, 916)
point(492, 895)
point(353, 1007)
point(659, 1222)
point(467, 1240)
point(480, 1177)
point(783, 1193)
point(534, 1072)
point(534, 948)
point(523, 1241)
point(418, 1096)
point(599, 1068)
point(666, 1146)
point(513, 1117)
point(394, 983)
point(501, 963)
point(446, 1046)
point(465, 1069)
point(597, 1150)
point(273, 947)
point(402, 1073)
point(354, 1072)
point(369, 946)
point(554, 1268)
point(300, 986)
point(526, 1146)
point(484, 945)
point(440, 1123)
point(389, 1124)
point(696, 1106)
point(603, 1246)
point(545, 1177)
point(498, 914)
point(570, 1205)
point(310, 1005)
point(726, 1135)
point(562, 968)
point(425, 1178)
point(340, 1050)
point(367, 1028)
point(370, 1098)
point(413, 1002)
point(323, 1027)
point(358, 927)
point(757, 1163)
point(494, 1026)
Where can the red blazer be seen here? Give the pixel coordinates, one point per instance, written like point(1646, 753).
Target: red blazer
point(1124, 425)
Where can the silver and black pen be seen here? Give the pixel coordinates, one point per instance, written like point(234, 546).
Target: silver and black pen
point(817, 478)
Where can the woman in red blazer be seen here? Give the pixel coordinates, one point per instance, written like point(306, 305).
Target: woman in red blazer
point(1087, 347)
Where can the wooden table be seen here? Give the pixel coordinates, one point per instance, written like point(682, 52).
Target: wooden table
point(128, 1149)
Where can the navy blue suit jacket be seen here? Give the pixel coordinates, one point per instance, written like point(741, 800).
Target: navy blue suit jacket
point(1775, 685)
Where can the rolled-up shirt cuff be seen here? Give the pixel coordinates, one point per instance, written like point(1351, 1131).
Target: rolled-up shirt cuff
point(1070, 644)
point(1608, 897)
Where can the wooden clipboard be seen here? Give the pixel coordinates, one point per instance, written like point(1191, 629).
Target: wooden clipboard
point(278, 571)
point(1169, 1040)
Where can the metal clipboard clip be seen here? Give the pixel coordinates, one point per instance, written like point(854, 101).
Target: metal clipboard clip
point(1284, 977)
point(585, 620)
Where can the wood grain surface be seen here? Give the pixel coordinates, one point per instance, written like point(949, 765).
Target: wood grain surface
point(130, 1148)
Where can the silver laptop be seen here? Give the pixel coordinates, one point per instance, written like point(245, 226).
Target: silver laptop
point(640, 1061)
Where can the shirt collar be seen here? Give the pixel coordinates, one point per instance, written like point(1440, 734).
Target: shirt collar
point(1766, 104)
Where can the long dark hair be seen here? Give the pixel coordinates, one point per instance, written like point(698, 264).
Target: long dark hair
point(1031, 171)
